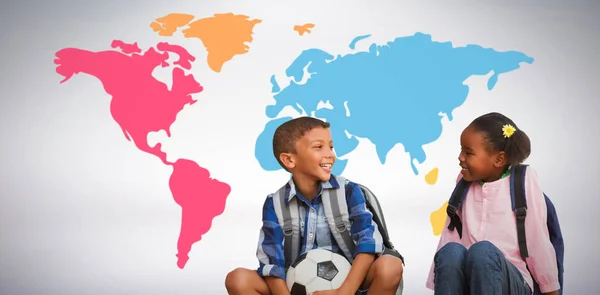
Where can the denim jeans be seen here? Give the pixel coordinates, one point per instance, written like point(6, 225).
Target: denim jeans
point(481, 270)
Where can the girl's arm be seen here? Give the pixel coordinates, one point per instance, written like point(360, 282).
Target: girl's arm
point(446, 237)
point(542, 257)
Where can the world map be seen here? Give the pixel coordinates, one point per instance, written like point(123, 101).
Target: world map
point(393, 93)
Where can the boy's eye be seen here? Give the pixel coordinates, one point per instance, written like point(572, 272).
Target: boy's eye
point(318, 146)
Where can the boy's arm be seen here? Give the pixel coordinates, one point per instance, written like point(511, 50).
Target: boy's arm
point(270, 251)
point(358, 273)
point(367, 237)
point(542, 257)
point(277, 286)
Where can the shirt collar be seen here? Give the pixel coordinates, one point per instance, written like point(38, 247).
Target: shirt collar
point(505, 174)
point(291, 187)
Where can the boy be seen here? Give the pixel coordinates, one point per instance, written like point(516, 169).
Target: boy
point(303, 147)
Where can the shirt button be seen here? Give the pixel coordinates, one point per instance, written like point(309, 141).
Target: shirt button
point(301, 223)
point(310, 235)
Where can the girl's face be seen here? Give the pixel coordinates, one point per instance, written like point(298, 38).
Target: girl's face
point(477, 160)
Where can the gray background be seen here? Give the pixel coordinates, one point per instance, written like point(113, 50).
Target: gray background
point(84, 212)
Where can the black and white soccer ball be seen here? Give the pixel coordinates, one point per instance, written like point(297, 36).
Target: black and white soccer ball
point(317, 270)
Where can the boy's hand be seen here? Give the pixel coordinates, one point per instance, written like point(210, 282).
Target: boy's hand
point(331, 292)
point(326, 292)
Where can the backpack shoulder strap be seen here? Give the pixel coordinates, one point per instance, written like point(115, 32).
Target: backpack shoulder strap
point(458, 195)
point(519, 204)
point(288, 217)
point(338, 217)
point(375, 208)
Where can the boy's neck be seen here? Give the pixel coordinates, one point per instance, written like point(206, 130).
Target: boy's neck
point(307, 187)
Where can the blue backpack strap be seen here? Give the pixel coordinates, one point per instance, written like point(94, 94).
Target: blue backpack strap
point(519, 204)
point(557, 241)
point(458, 195)
point(555, 233)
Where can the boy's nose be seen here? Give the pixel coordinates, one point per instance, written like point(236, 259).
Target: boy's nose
point(330, 154)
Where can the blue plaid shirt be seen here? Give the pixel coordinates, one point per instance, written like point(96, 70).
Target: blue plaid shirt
point(364, 230)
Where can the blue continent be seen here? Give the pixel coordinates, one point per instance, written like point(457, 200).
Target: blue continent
point(395, 93)
point(357, 39)
point(274, 86)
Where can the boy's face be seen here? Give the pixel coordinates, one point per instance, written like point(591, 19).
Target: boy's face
point(314, 156)
point(476, 159)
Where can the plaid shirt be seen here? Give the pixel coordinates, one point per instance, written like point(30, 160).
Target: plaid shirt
point(364, 230)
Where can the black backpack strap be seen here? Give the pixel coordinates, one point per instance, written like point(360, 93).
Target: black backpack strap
point(375, 208)
point(458, 195)
point(517, 190)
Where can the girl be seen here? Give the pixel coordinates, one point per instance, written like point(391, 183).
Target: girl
point(486, 260)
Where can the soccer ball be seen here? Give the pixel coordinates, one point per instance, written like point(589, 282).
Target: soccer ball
point(317, 270)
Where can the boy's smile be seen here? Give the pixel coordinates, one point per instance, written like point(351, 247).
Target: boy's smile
point(312, 160)
point(314, 153)
point(327, 167)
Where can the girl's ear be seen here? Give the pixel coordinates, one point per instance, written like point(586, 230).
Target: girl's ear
point(500, 160)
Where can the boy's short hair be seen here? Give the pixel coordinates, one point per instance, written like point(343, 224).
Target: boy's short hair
point(288, 133)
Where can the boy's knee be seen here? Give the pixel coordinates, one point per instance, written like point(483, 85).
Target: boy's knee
point(388, 270)
point(483, 252)
point(452, 252)
point(237, 281)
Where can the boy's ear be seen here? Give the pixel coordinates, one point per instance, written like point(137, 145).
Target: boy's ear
point(500, 160)
point(288, 160)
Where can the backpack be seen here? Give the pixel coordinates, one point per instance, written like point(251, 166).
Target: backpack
point(519, 206)
point(337, 215)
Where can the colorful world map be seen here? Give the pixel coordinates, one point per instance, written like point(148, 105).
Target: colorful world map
point(410, 81)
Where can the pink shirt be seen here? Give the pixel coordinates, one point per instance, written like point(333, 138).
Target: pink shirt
point(486, 214)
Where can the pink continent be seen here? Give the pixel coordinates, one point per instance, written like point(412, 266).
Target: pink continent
point(141, 104)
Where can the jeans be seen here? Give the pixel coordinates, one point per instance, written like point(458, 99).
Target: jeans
point(481, 270)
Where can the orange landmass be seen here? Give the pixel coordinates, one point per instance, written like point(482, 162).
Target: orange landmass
point(167, 25)
point(432, 176)
point(438, 219)
point(305, 28)
point(224, 35)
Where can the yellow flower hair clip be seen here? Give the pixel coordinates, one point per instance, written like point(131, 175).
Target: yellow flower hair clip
point(508, 130)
